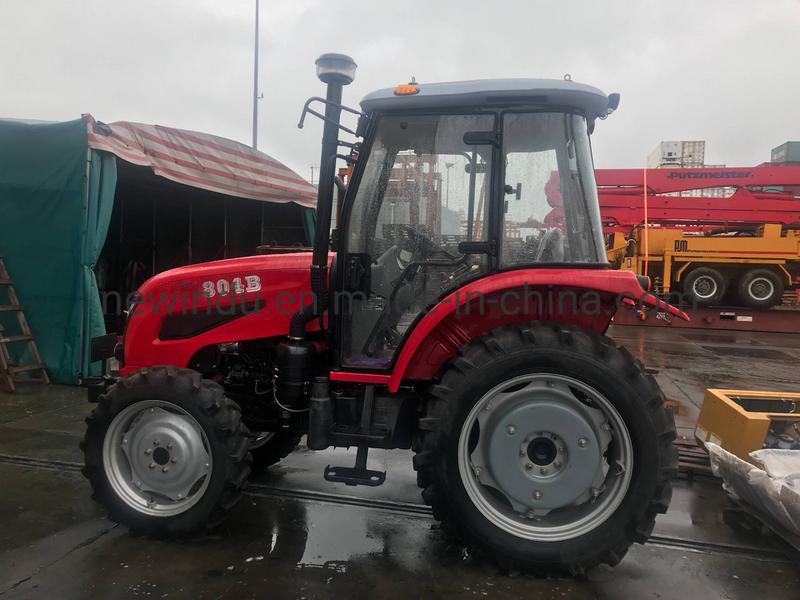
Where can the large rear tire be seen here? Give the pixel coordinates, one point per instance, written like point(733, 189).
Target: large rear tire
point(548, 447)
point(166, 452)
point(760, 288)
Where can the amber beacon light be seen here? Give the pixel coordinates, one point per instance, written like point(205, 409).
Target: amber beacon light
point(406, 89)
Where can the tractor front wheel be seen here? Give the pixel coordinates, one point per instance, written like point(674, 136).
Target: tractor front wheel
point(548, 446)
point(166, 452)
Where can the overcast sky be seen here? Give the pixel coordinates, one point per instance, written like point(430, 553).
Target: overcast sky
point(725, 71)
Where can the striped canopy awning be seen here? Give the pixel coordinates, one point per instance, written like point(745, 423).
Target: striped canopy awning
point(202, 160)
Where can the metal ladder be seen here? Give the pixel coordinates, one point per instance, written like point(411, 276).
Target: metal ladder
point(8, 371)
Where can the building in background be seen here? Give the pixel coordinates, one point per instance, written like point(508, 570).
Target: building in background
point(686, 154)
point(677, 155)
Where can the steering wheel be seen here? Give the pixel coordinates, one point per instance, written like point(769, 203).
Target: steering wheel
point(418, 244)
point(551, 247)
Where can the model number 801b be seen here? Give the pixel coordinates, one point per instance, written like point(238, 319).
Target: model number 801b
point(223, 287)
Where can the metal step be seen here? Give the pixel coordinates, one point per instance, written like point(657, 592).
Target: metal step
point(10, 307)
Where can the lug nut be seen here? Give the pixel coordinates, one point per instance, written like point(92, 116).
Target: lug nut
point(156, 442)
point(180, 496)
point(147, 451)
point(152, 465)
point(478, 471)
point(537, 495)
point(169, 446)
point(583, 442)
point(522, 452)
point(543, 471)
point(528, 466)
point(165, 469)
point(173, 460)
point(557, 464)
point(511, 430)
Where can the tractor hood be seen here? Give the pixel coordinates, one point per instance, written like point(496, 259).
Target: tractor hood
point(270, 269)
point(180, 311)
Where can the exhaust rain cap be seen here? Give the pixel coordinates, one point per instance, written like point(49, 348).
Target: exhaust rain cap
point(336, 68)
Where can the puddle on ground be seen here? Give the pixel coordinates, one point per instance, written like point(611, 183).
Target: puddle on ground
point(334, 537)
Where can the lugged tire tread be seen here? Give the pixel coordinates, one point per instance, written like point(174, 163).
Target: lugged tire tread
point(231, 432)
point(520, 337)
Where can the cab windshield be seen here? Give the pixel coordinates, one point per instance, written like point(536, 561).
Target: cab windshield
point(425, 190)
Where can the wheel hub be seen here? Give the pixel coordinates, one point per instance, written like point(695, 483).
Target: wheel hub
point(761, 288)
point(157, 458)
point(561, 433)
point(705, 287)
point(542, 450)
point(550, 426)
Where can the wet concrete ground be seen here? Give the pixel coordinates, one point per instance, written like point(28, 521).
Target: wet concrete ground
point(296, 536)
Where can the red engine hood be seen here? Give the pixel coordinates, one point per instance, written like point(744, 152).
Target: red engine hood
point(269, 289)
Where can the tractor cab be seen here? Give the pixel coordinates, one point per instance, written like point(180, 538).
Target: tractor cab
point(449, 187)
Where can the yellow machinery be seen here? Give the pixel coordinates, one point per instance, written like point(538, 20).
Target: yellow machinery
point(741, 421)
point(757, 267)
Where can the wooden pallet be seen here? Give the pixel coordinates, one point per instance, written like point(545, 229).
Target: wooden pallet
point(8, 370)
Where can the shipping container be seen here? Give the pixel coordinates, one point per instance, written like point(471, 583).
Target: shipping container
point(679, 154)
point(788, 152)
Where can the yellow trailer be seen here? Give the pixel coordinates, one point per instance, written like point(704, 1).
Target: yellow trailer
point(744, 420)
point(753, 268)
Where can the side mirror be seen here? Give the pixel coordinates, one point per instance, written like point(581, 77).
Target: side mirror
point(613, 102)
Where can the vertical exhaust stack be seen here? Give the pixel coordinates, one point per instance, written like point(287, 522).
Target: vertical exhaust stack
point(294, 357)
point(336, 71)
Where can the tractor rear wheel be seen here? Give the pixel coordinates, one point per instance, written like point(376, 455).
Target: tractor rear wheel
point(166, 452)
point(760, 288)
point(548, 447)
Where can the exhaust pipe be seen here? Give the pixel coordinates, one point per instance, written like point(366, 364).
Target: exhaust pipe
point(336, 71)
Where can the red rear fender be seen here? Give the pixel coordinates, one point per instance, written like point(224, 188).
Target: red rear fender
point(588, 298)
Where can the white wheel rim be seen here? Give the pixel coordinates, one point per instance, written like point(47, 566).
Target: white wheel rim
point(761, 288)
point(157, 458)
point(705, 287)
point(493, 483)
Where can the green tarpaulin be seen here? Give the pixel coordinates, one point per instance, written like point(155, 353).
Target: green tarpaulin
point(56, 198)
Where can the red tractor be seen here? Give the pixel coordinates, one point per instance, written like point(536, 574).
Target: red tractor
point(440, 322)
